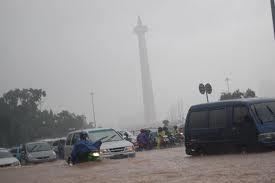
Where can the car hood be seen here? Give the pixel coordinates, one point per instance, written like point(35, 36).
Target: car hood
point(115, 144)
point(41, 154)
point(5, 161)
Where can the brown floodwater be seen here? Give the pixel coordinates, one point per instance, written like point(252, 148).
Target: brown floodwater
point(167, 165)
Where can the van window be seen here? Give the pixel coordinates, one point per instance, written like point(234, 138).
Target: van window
point(265, 111)
point(69, 138)
point(217, 118)
point(240, 113)
point(198, 119)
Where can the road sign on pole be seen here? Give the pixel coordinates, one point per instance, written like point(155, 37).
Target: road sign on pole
point(205, 89)
point(202, 88)
point(208, 88)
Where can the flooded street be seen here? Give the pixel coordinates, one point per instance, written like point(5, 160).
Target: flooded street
point(168, 165)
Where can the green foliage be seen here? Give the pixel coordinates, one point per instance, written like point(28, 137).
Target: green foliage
point(238, 94)
point(22, 121)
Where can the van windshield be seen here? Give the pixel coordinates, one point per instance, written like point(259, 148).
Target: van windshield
point(104, 135)
point(265, 111)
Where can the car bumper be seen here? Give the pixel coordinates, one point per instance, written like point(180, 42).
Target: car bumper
point(40, 160)
point(118, 155)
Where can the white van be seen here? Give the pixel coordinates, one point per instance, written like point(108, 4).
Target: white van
point(113, 145)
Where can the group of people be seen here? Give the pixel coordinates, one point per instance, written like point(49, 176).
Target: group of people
point(145, 139)
point(164, 137)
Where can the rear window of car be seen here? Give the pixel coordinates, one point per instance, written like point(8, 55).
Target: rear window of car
point(198, 119)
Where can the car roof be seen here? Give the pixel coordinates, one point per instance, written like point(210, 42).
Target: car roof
point(4, 150)
point(37, 142)
point(245, 101)
point(89, 130)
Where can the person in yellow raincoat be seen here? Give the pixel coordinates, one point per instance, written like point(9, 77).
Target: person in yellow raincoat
point(160, 136)
point(175, 131)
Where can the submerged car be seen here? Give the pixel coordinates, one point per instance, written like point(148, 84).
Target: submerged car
point(7, 159)
point(113, 145)
point(37, 152)
point(241, 122)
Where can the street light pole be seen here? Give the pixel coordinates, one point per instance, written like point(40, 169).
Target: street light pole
point(93, 108)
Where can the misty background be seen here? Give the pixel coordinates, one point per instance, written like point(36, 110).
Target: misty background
point(71, 48)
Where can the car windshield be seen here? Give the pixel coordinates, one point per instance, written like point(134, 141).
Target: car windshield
point(5, 154)
point(265, 111)
point(104, 135)
point(36, 147)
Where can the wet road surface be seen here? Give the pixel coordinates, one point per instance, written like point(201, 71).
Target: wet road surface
point(167, 165)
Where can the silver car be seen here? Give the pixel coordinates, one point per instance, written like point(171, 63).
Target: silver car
point(7, 159)
point(38, 152)
point(113, 145)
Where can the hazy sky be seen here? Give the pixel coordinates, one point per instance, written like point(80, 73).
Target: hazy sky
point(70, 48)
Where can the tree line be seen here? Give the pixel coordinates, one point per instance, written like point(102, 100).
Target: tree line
point(238, 94)
point(22, 121)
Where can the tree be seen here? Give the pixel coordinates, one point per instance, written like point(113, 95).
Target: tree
point(238, 94)
point(249, 93)
point(21, 120)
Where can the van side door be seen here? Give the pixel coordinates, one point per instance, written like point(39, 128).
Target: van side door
point(218, 125)
point(243, 126)
point(197, 127)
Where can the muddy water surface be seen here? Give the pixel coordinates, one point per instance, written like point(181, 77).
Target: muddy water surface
point(168, 165)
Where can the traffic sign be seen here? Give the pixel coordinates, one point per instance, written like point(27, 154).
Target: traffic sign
point(208, 88)
point(202, 88)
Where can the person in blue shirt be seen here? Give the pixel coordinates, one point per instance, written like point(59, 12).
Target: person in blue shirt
point(142, 139)
point(82, 149)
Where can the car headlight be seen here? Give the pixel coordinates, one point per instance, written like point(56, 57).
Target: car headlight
point(130, 149)
point(266, 136)
point(30, 156)
point(95, 154)
point(102, 151)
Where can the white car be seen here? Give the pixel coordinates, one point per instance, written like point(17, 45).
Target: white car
point(38, 152)
point(113, 145)
point(7, 159)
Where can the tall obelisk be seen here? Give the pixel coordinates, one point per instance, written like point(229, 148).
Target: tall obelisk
point(273, 14)
point(147, 89)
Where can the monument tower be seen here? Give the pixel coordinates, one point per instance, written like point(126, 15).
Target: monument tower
point(147, 89)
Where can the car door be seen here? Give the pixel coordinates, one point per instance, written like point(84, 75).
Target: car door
point(75, 139)
point(68, 146)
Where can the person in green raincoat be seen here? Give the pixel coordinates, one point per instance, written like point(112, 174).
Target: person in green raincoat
point(160, 136)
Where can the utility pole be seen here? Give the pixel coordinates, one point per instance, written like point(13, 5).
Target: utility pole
point(227, 83)
point(93, 109)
